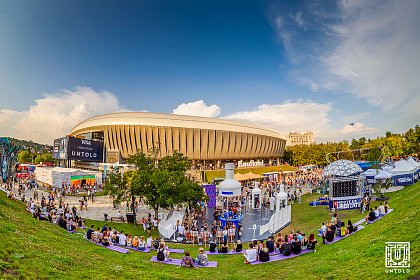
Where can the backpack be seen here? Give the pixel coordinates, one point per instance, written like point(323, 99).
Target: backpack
point(160, 256)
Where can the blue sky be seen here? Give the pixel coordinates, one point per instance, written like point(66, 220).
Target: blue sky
point(291, 65)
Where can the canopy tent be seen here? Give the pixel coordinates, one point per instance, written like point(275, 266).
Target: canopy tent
point(403, 173)
point(383, 175)
point(402, 167)
point(387, 167)
point(246, 176)
point(370, 175)
point(371, 172)
point(416, 165)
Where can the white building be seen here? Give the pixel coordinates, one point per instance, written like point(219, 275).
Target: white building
point(297, 138)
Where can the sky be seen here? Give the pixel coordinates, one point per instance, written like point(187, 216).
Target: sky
point(343, 69)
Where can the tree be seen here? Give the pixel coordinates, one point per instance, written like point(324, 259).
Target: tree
point(161, 183)
point(24, 156)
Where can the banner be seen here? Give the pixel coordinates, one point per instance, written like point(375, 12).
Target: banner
point(60, 148)
point(345, 204)
point(370, 179)
point(211, 193)
point(403, 180)
point(84, 150)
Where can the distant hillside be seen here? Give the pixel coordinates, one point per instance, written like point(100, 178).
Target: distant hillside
point(33, 147)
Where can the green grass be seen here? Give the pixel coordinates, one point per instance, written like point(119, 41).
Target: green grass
point(30, 249)
point(210, 174)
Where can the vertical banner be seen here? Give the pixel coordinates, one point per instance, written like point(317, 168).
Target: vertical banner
point(211, 194)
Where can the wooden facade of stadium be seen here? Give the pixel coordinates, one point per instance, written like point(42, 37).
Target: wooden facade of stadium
point(198, 139)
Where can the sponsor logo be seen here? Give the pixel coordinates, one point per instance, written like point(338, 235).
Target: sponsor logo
point(86, 142)
point(404, 179)
point(346, 204)
point(227, 193)
point(84, 154)
point(250, 163)
point(397, 257)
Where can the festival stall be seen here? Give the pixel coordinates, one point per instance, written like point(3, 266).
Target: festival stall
point(403, 173)
point(59, 176)
point(416, 165)
point(370, 176)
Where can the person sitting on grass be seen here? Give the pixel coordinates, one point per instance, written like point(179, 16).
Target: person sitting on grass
point(377, 213)
point(238, 246)
point(202, 258)
point(250, 254)
point(270, 244)
point(90, 232)
point(371, 217)
point(187, 261)
point(323, 229)
point(212, 246)
point(149, 241)
point(329, 235)
point(129, 240)
point(142, 244)
point(350, 228)
point(343, 229)
point(156, 243)
point(122, 240)
point(97, 235)
point(264, 255)
point(296, 246)
point(286, 247)
point(225, 248)
point(305, 242)
point(105, 241)
point(135, 241)
point(312, 242)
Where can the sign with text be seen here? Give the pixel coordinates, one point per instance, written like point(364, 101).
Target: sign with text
point(250, 163)
point(403, 180)
point(84, 149)
point(345, 204)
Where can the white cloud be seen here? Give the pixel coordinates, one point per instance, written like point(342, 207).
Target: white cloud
point(56, 114)
point(356, 128)
point(376, 55)
point(289, 116)
point(298, 19)
point(197, 108)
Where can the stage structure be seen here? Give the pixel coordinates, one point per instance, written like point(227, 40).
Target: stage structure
point(347, 182)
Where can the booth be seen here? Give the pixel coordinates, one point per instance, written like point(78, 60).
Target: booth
point(272, 176)
point(403, 173)
point(59, 176)
point(370, 176)
point(416, 165)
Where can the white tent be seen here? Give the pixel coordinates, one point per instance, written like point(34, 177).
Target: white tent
point(387, 168)
point(371, 172)
point(402, 167)
point(383, 175)
point(413, 162)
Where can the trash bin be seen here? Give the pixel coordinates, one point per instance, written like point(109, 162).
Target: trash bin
point(130, 217)
point(106, 217)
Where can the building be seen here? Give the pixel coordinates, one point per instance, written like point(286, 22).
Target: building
point(200, 139)
point(297, 138)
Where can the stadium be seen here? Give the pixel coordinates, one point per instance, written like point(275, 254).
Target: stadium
point(199, 138)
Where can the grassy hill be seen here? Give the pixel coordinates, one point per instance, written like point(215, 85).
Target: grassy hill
point(30, 249)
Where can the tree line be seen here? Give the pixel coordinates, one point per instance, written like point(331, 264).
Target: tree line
point(390, 145)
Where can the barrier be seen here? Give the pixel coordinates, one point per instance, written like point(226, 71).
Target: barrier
point(167, 227)
point(278, 221)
